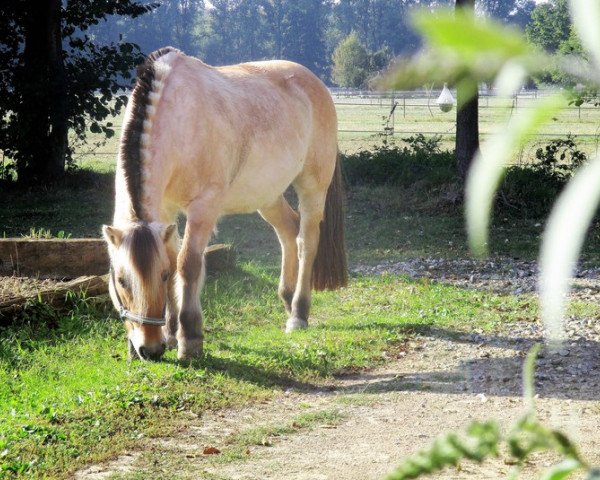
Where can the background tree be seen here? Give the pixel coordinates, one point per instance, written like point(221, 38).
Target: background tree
point(234, 31)
point(53, 79)
point(378, 23)
point(467, 114)
point(350, 63)
point(550, 25)
point(516, 12)
point(302, 36)
point(172, 22)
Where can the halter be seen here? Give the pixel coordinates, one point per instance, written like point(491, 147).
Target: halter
point(134, 317)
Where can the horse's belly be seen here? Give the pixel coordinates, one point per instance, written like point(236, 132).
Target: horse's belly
point(253, 191)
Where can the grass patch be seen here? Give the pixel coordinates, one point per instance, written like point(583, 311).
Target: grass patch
point(69, 397)
point(79, 206)
point(265, 435)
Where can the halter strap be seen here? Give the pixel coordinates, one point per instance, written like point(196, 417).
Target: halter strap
point(125, 314)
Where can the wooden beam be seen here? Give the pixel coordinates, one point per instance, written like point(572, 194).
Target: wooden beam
point(218, 259)
point(53, 258)
point(72, 258)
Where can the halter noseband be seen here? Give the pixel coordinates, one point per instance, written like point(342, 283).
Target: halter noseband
point(125, 314)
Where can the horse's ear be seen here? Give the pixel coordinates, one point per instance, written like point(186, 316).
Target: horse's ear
point(113, 235)
point(168, 232)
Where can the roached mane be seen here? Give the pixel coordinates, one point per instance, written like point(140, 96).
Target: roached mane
point(131, 140)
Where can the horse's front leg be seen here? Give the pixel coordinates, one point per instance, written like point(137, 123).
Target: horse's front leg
point(172, 315)
point(172, 310)
point(190, 269)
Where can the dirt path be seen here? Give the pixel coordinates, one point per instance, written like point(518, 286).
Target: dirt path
point(366, 423)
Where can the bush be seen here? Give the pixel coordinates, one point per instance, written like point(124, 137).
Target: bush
point(530, 190)
point(421, 162)
point(425, 171)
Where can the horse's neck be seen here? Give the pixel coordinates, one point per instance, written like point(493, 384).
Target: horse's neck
point(124, 213)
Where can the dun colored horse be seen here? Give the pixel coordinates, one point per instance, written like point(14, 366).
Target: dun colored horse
point(211, 142)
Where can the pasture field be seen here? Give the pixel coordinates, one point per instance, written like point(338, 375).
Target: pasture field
point(362, 120)
point(417, 113)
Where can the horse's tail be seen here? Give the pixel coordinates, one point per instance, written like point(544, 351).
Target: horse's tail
point(330, 270)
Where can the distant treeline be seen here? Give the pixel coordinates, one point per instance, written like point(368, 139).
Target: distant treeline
point(306, 31)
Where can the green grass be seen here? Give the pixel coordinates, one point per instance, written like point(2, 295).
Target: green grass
point(78, 207)
point(68, 396)
point(263, 435)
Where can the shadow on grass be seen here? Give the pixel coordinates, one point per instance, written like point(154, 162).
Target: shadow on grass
point(78, 205)
point(246, 372)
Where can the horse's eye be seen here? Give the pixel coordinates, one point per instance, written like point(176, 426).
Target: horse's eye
point(165, 276)
point(122, 282)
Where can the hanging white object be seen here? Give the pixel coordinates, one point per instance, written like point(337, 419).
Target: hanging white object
point(445, 101)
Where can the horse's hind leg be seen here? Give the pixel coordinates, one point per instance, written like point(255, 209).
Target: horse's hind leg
point(311, 207)
point(285, 222)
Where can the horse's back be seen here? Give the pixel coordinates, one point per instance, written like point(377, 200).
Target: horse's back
point(250, 127)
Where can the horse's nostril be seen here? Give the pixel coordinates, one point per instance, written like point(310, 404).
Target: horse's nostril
point(143, 353)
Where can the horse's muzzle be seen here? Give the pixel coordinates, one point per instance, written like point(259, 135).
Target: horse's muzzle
point(153, 353)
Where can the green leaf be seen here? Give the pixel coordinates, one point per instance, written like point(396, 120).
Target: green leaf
point(561, 470)
point(562, 242)
point(511, 78)
point(488, 168)
point(456, 31)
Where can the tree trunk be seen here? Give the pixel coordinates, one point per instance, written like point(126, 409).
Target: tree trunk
point(43, 112)
point(467, 116)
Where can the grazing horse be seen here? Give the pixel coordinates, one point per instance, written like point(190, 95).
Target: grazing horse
point(211, 142)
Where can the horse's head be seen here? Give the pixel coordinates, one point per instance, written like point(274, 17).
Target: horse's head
point(143, 259)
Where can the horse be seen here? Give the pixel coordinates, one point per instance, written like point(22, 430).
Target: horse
point(208, 142)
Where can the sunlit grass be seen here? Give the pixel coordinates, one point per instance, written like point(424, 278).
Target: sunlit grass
point(68, 395)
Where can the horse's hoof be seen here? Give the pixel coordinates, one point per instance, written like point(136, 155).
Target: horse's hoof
point(189, 349)
point(295, 323)
point(171, 341)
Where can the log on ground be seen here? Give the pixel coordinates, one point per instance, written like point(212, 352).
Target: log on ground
point(72, 258)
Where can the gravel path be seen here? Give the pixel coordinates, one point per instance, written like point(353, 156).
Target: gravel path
point(501, 274)
point(440, 381)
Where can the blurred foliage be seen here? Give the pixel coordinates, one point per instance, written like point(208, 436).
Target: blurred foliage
point(451, 56)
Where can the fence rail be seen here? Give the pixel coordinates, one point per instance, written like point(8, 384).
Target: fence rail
point(395, 106)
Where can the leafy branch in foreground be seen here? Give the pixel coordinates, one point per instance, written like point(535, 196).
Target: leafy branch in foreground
point(483, 440)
